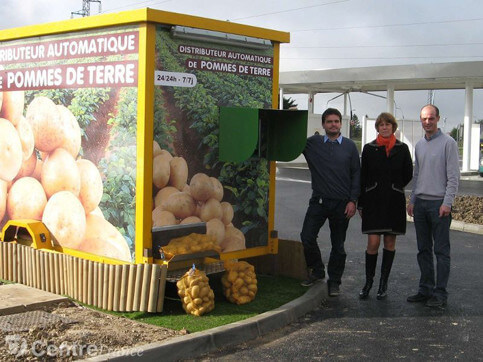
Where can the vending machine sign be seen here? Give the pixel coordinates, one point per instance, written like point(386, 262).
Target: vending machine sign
point(194, 77)
point(68, 137)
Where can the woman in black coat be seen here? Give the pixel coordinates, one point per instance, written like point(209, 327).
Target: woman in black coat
point(385, 170)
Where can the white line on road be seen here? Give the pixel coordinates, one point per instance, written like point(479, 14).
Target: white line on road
point(291, 180)
point(305, 181)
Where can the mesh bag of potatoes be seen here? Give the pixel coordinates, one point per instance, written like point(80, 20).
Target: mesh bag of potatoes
point(189, 244)
point(239, 282)
point(196, 295)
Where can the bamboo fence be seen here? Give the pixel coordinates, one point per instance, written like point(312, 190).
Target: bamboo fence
point(119, 288)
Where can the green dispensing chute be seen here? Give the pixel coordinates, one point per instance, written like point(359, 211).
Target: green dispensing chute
point(277, 135)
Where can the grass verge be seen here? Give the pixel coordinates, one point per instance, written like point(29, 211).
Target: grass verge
point(272, 293)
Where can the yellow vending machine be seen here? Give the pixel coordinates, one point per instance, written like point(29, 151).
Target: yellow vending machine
point(133, 145)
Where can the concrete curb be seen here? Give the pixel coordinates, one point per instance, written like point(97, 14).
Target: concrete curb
point(199, 343)
point(18, 298)
point(461, 226)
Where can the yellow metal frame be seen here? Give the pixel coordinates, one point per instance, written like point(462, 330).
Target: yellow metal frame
point(147, 19)
point(144, 177)
point(38, 231)
point(141, 16)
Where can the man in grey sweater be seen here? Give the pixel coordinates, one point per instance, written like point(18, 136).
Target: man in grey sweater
point(435, 183)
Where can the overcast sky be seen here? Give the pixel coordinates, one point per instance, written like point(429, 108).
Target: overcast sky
point(328, 34)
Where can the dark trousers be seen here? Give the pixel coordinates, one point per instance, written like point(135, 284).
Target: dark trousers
point(432, 233)
point(317, 212)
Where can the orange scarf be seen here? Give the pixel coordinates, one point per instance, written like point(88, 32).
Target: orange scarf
point(388, 142)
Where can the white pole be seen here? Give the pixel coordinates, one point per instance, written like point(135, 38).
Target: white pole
point(467, 124)
point(311, 100)
point(280, 100)
point(390, 99)
point(345, 104)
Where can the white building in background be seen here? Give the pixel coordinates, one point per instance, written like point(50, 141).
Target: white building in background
point(457, 75)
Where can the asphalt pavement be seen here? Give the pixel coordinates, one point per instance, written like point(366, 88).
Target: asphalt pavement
point(317, 327)
point(346, 328)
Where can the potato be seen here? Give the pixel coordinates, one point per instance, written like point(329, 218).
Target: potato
point(43, 116)
point(166, 155)
point(216, 228)
point(102, 238)
point(228, 212)
point(161, 171)
point(201, 187)
point(199, 205)
point(26, 199)
point(217, 189)
point(239, 282)
point(65, 218)
point(38, 169)
point(10, 151)
point(163, 194)
point(190, 220)
point(162, 217)
point(156, 149)
point(26, 137)
point(28, 167)
point(91, 190)
point(234, 240)
point(211, 209)
point(71, 138)
point(179, 173)
point(59, 173)
point(197, 297)
point(97, 211)
point(180, 204)
point(3, 198)
point(12, 106)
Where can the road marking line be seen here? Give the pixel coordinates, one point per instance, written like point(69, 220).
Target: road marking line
point(291, 180)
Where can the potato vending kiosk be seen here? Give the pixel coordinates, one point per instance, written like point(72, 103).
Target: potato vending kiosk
point(122, 132)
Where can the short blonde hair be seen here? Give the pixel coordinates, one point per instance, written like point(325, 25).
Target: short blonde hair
point(386, 117)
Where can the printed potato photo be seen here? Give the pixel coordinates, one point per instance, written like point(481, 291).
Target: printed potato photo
point(68, 138)
point(51, 170)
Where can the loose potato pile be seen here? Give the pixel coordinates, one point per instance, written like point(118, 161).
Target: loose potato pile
point(239, 282)
point(177, 202)
point(196, 295)
point(42, 176)
point(192, 243)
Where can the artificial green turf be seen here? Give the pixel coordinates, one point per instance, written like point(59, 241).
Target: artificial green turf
point(272, 293)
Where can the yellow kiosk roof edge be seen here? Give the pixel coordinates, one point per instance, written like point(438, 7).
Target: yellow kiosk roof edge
point(140, 16)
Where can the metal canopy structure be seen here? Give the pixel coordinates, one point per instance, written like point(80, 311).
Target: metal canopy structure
point(455, 75)
point(371, 79)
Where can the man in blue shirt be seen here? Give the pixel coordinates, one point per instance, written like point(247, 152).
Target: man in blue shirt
point(334, 165)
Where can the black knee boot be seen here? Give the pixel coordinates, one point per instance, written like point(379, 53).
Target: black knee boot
point(387, 259)
point(371, 261)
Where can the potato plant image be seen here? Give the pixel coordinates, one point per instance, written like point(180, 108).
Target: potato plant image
point(44, 176)
point(187, 126)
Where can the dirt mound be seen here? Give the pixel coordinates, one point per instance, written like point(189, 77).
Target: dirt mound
point(468, 208)
point(92, 334)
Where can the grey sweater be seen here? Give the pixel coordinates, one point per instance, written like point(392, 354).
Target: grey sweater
point(436, 169)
